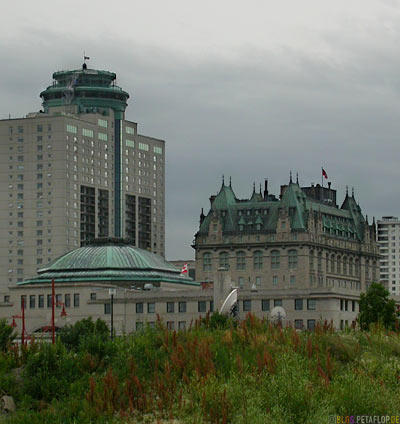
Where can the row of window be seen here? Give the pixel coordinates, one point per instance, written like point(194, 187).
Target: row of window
point(266, 304)
point(258, 260)
point(344, 305)
point(170, 307)
point(20, 129)
point(39, 300)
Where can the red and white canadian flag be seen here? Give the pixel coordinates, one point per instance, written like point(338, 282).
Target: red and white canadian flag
point(324, 174)
point(184, 269)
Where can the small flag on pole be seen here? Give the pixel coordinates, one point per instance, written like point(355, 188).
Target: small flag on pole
point(324, 174)
point(184, 269)
point(86, 57)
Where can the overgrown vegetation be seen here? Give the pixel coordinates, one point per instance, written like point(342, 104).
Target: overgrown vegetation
point(214, 372)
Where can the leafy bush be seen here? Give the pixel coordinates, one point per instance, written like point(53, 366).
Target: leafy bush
point(7, 334)
point(72, 335)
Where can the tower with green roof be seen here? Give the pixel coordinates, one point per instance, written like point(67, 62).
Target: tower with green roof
point(78, 170)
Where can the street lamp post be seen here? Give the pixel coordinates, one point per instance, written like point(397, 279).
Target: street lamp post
point(22, 317)
point(112, 292)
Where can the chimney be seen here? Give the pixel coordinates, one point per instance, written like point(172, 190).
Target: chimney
point(265, 188)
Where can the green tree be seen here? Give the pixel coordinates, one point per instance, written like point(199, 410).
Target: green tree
point(74, 335)
point(7, 334)
point(376, 307)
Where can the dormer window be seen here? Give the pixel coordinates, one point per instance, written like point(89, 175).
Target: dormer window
point(258, 226)
point(283, 225)
point(241, 227)
point(249, 212)
point(239, 213)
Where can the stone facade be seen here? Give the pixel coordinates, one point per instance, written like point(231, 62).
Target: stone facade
point(302, 242)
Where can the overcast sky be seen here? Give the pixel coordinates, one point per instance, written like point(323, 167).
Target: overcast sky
point(248, 89)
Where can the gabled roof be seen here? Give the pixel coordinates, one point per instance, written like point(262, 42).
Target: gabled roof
point(237, 215)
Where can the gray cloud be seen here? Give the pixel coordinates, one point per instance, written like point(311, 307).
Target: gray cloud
point(259, 114)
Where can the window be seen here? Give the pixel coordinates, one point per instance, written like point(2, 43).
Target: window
point(275, 259)
point(211, 306)
point(41, 301)
point(102, 136)
point(40, 128)
point(275, 280)
point(87, 133)
point(58, 300)
point(130, 130)
point(311, 324)
point(258, 259)
point(72, 129)
point(32, 301)
point(265, 305)
point(170, 325)
point(240, 261)
point(207, 262)
point(246, 305)
point(332, 264)
point(311, 303)
point(298, 324)
point(49, 300)
point(151, 308)
point(157, 150)
point(278, 302)
point(182, 325)
point(92, 296)
point(223, 260)
point(258, 281)
point(170, 307)
point(319, 261)
point(144, 146)
point(292, 279)
point(298, 304)
point(107, 308)
point(201, 306)
point(182, 306)
point(139, 308)
point(241, 281)
point(102, 123)
point(76, 300)
point(292, 259)
point(130, 143)
point(67, 300)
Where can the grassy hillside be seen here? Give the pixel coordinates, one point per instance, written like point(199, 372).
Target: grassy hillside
point(212, 373)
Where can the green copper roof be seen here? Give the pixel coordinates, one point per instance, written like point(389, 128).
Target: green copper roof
point(110, 261)
point(87, 88)
point(259, 214)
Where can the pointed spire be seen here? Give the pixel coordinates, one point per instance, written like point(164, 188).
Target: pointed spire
point(260, 190)
point(254, 187)
point(290, 181)
point(223, 179)
point(230, 181)
point(366, 219)
point(347, 190)
point(297, 178)
point(352, 192)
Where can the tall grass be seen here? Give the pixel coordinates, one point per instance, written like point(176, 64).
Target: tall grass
point(226, 373)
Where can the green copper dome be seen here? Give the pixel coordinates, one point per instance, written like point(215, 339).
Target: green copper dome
point(110, 260)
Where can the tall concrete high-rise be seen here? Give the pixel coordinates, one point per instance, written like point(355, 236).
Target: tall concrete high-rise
point(389, 242)
point(76, 171)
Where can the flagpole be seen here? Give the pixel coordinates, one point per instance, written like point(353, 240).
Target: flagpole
point(322, 176)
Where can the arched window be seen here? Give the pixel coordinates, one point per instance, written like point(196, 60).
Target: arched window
point(258, 259)
point(339, 265)
point(319, 261)
point(367, 269)
point(374, 271)
point(223, 260)
point(311, 259)
point(357, 267)
point(344, 265)
point(240, 260)
point(351, 269)
point(207, 261)
point(275, 259)
point(292, 259)
point(332, 264)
